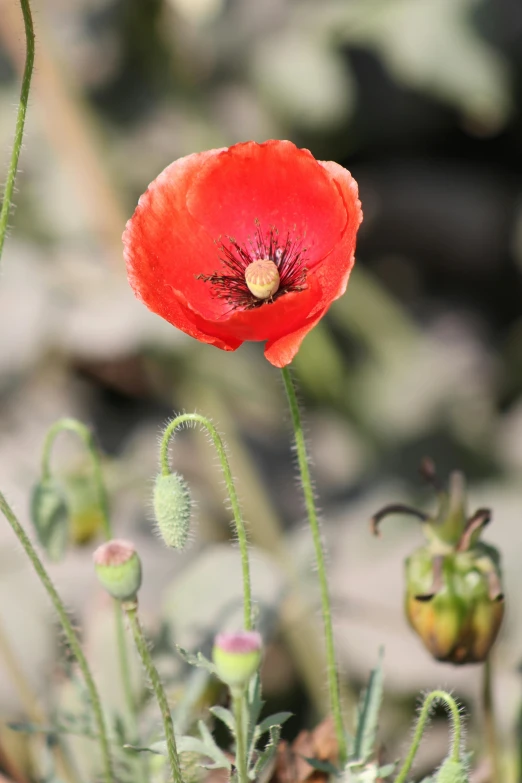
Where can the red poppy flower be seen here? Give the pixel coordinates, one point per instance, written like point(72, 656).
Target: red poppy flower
point(253, 242)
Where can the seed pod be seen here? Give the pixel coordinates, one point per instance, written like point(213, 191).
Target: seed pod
point(237, 657)
point(454, 598)
point(452, 772)
point(172, 509)
point(49, 514)
point(118, 568)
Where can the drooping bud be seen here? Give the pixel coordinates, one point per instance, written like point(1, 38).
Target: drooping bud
point(172, 509)
point(118, 568)
point(49, 514)
point(262, 278)
point(237, 657)
point(452, 772)
point(454, 596)
point(85, 514)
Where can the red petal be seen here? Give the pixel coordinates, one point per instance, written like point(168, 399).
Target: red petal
point(281, 351)
point(165, 248)
point(274, 183)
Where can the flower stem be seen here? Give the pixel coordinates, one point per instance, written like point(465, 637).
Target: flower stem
point(240, 717)
point(302, 458)
point(86, 436)
point(20, 121)
point(69, 632)
point(234, 502)
point(131, 610)
point(428, 703)
point(489, 720)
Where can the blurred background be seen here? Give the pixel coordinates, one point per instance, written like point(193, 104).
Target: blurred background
point(422, 101)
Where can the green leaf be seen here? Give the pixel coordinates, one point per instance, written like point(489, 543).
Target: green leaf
point(158, 748)
point(386, 771)
point(196, 660)
point(213, 751)
point(255, 704)
point(277, 719)
point(368, 714)
point(225, 716)
point(266, 757)
point(322, 766)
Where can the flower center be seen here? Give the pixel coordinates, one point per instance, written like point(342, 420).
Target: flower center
point(262, 278)
point(258, 273)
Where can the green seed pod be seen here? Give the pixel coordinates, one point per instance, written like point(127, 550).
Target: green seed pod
point(118, 568)
point(172, 509)
point(454, 598)
point(452, 772)
point(237, 657)
point(49, 514)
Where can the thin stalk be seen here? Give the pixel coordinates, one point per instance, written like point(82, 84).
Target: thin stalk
point(69, 632)
point(453, 707)
point(20, 121)
point(489, 721)
point(238, 705)
point(302, 458)
point(87, 438)
point(234, 502)
point(130, 608)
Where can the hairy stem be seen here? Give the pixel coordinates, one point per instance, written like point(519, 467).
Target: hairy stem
point(87, 438)
point(234, 502)
point(428, 703)
point(313, 519)
point(240, 716)
point(70, 635)
point(489, 720)
point(131, 610)
point(20, 121)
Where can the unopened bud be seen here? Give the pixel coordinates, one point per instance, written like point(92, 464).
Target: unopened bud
point(172, 509)
point(85, 514)
point(118, 568)
point(452, 772)
point(49, 514)
point(237, 656)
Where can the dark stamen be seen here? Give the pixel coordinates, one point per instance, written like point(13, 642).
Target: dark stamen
point(287, 255)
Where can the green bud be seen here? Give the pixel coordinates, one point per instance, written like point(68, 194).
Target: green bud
point(237, 657)
point(118, 568)
point(172, 509)
point(49, 514)
point(452, 772)
point(85, 515)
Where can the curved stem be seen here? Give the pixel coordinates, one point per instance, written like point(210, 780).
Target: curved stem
point(489, 721)
point(130, 608)
point(302, 458)
point(20, 121)
point(428, 703)
point(87, 438)
point(69, 632)
point(234, 502)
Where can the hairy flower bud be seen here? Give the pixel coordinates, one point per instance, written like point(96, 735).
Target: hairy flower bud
point(237, 657)
point(118, 568)
point(172, 509)
point(452, 772)
point(454, 597)
point(49, 514)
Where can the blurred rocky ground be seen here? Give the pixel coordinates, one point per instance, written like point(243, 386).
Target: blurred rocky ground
point(421, 100)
